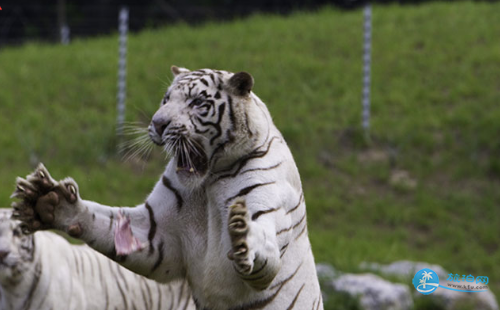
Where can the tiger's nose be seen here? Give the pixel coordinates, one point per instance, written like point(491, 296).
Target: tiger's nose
point(160, 125)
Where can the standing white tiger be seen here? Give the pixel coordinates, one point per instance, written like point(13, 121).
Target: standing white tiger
point(228, 213)
point(44, 271)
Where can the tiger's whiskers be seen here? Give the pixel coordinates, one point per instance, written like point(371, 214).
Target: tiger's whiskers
point(138, 145)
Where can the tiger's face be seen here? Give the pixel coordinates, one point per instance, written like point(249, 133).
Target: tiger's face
point(16, 248)
point(201, 119)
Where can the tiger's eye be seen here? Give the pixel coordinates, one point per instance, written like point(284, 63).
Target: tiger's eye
point(196, 102)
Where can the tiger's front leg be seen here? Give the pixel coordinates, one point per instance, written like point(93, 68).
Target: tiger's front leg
point(254, 260)
point(49, 204)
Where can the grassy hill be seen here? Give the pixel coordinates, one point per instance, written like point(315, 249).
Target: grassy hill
point(425, 186)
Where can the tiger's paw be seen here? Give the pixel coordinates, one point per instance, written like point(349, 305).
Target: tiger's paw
point(238, 227)
point(45, 203)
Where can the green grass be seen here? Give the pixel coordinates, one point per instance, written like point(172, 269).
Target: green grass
point(435, 109)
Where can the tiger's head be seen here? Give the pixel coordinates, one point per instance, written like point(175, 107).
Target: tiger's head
point(16, 249)
point(207, 118)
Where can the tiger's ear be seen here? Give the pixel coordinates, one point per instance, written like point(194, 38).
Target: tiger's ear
point(176, 70)
point(241, 83)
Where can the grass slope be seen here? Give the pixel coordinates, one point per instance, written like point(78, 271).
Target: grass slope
point(436, 122)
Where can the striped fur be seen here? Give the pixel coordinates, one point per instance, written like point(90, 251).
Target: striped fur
point(228, 214)
point(44, 271)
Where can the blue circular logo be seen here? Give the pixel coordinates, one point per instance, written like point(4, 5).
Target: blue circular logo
point(426, 281)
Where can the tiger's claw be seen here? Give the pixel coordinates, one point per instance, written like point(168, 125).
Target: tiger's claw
point(41, 199)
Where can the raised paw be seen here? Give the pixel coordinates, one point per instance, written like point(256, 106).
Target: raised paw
point(238, 231)
point(42, 199)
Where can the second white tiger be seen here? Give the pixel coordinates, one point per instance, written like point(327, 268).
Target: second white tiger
point(44, 271)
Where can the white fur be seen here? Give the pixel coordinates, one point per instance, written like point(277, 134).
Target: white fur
point(191, 240)
point(64, 276)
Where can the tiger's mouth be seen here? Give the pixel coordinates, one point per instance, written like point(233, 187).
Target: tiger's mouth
point(191, 160)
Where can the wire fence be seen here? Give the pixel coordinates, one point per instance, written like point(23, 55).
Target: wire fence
point(15, 28)
point(39, 21)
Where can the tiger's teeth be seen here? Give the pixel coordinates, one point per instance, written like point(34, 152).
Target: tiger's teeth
point(177, 169)
point(191, 170)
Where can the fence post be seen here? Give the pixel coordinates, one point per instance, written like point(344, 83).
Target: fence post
point(61, 20)
point(122, 69)
point(367, 68)
point(65, 32)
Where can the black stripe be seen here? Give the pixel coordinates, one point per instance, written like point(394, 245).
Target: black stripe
point(300, 201)
point(205, 95)
point(160, 257)
point(80, 262)
point(101, 276)
point(319, 301)
point(119, 272)
point(217, 95)
point(148, 290)
point(263, 169)
point(111, 219)
point(31, 250)
point(75, 257)
point(188, 298)
point(255, 272)
point(196, 129)
point(241, 162)
point(171, 299)
point(152, 227)
point(178, 196)
point(141, 284)
point(249, 279)
point(118, 283)
point(292, 227)
point(232, 117)
point(283, 250)
point(256, 215)
point(88, 257)
point(160, 300)
point(266, 301)
point(250, 133)
point(29, 297)
point(295, 299)
point(246, 190)
point(216, 125)
point(204, 82)
point(301, 232)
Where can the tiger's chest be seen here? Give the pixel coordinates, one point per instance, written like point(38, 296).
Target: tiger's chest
point(205, 243)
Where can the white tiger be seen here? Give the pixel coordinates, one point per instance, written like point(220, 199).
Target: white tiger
point(228, 213)
point(44, 271)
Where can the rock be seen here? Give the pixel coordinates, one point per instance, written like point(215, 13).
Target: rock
point(326, 272)
point(403, 269)
point(450, 300)
point(374, 293)
point(442, 298)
